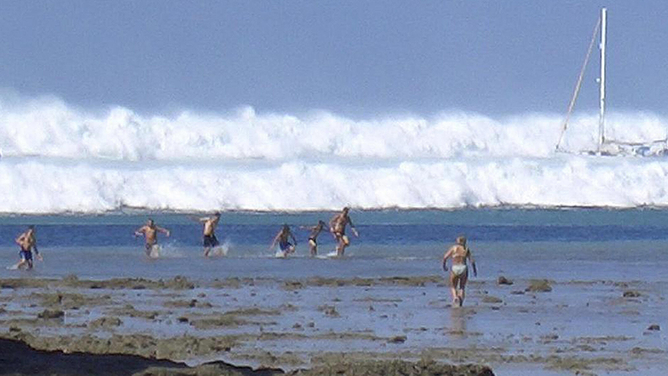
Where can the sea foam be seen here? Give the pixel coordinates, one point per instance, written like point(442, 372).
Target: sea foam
point(56, 158)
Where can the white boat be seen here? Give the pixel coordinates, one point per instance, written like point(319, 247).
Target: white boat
point(606, 145)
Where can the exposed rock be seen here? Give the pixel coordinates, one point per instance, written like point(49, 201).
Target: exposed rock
point(51, 314)
point(504, 281)
point(395, 368)
point(105, 323)
point(539, 285)
point(397, 339)
point(20, 359)
point(329, 310)
point(193, 303)
point(217, 320)
point(491, 299)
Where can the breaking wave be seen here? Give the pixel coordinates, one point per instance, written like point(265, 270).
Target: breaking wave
point(56, 158)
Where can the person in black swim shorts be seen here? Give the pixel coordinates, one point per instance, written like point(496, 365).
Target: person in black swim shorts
point(313, 236)
point(209, 240)
point(337, 226)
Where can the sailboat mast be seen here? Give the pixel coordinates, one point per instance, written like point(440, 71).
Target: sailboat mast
point(601, 117)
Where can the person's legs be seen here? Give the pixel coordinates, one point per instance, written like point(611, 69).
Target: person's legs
point(286, 247)
point(209, 243)
point(454, 279)
point(20, 264)
point(462, 287)
point(339, 243)
point(344, 243)
point(313, 247)
point(206, 245)
point(26, 259)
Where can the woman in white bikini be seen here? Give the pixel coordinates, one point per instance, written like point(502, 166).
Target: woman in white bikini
point(459, 272)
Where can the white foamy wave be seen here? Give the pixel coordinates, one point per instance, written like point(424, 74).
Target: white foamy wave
point(39, 187)
point(60, 159)
point(50, 128)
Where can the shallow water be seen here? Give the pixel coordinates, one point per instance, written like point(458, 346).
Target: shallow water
point(582, 244)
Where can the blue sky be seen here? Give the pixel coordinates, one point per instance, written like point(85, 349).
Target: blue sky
point(349, 57)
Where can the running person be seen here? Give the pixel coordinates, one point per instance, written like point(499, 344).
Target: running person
point(313, 236)
point(150, 233)
point(459, 273)
point(209, 239)
point(337, 226)
point(27, 242)
point(282, 238)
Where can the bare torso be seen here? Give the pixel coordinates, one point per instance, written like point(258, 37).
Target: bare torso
point(458, 253)
point(151, 234)
point(210, 226)
point(315, 231)
point(339, 222)
point(283, 236)
point(26, 241)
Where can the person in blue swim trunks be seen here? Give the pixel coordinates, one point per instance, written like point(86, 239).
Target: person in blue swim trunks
point(282, 238)
point(27, 242)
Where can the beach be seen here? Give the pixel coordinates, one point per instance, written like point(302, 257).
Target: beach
point(528, 327)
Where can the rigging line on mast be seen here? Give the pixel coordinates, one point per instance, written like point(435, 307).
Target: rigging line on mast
point(578, 85)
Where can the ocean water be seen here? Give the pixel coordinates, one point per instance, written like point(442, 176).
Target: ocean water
point(563, 245)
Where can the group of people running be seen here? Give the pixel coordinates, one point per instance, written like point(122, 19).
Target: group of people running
point(337, 226)
point(459, 253)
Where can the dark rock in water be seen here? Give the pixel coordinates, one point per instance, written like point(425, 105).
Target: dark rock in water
point(654, 327)
point(105, 323)
point(491, 299)
point(631, 294)
point(504, 281)
point(397, 339)
point(70, 279)
point(17, 358)
point(329, 310)
point(51, 314)
point(539, 285)
point(178, 283)
point(395, 368)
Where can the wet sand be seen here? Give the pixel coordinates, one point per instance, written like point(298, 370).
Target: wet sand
point(514, 326)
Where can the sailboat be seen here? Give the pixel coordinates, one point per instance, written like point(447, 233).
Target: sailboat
point(605, 145)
